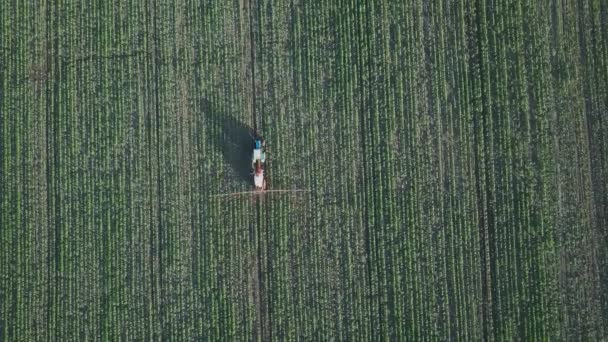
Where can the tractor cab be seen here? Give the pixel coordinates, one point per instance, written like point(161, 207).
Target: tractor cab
point(258, 151)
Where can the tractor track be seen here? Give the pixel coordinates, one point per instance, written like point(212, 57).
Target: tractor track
point(251, 48)
point(261, 302)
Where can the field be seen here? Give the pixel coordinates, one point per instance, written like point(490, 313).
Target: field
point(456, 153)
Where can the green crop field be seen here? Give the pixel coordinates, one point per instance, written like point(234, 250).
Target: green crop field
point(456, 154)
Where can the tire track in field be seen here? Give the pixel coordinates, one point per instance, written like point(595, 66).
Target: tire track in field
point(367, 186)
point(261, 302)
point(485, 218)
point(52, 162)
point(155, 252)
point(251, 42)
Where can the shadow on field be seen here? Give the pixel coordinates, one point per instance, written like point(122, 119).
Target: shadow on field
point(234, 139)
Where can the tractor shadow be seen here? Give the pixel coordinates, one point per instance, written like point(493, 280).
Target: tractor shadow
point(234, 139)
